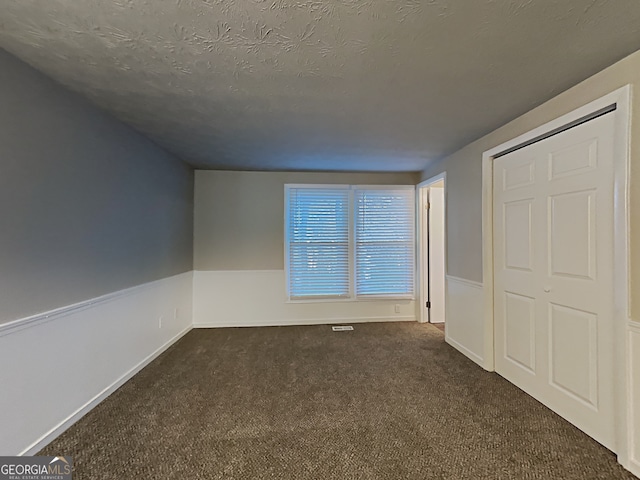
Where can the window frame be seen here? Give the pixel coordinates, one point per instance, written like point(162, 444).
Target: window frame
point(353, 224)
point(287, 244)
point(352, 219)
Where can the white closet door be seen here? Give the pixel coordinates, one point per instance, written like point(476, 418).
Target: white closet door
point(553, 269)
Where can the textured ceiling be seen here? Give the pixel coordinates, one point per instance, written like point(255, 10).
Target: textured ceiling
point(318, 84)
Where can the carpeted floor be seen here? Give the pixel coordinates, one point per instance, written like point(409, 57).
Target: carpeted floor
point(386, 401)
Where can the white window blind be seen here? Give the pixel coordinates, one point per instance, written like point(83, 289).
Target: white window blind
point(317, 230)
point(385, 245)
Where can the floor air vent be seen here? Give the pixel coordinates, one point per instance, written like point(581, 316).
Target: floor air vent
point(342, 328)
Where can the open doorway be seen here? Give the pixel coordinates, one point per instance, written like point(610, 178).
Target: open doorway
point(432, 250)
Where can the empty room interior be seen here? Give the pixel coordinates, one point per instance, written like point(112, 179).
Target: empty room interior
point(331, 239)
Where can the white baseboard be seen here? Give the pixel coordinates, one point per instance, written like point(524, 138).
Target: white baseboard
point(465, 317)
point(309, 321)
point(91, 404)
point(465, 351)
point(634, 467)
point(60, 364)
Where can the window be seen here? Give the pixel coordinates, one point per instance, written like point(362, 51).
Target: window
point(349, 241)
point(384, 253)
point(318, 234)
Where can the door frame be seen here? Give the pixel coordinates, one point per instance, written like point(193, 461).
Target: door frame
point(423, 244)
point(621, 99)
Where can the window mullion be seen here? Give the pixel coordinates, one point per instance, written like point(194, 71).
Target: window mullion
point(352, 244)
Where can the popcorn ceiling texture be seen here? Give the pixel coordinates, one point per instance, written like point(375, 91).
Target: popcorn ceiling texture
point(326, 85)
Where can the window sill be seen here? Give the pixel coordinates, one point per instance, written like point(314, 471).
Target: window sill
point(350, 300)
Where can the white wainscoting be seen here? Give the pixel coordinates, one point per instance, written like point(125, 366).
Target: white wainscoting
point(465, 317)
point(633, 355)
point(58, 365)
point(250, 298)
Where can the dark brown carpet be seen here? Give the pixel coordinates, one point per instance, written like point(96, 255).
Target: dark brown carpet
point(386, 401)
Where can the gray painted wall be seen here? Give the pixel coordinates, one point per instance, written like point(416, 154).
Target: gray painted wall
point(87, 205)
point(464, 173)
point(239, 216)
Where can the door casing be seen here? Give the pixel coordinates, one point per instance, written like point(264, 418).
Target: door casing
point(621, 98)
point(422, 244)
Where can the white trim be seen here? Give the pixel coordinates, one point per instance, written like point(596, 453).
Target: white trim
point(464, 281)
point(91, 404)
point(464, 350)
point(361, 298)
point(621, 270)
point(239, 272)
point(487, 259)
point(622, 99)
point(313, 321)
point(319, 186)
point(382, 187)
point(57, 313)
point(434, 179)
point(633, 379)
point(421, 243)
